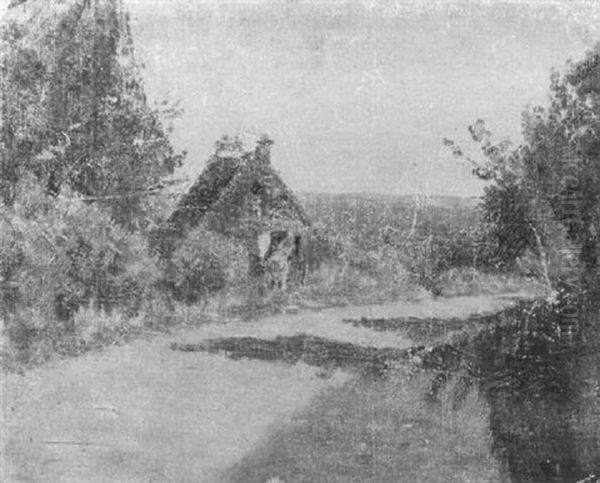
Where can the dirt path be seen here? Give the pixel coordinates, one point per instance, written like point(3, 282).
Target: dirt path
point(144, 412)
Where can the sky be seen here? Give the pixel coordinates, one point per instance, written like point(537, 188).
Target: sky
point(357, 95)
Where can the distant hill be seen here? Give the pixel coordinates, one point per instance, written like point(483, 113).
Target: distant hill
point(433, 200)
point(362, 216)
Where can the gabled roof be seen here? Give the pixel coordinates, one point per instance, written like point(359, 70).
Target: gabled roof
point(220, 191)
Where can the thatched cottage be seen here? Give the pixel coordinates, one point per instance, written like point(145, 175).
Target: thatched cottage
point(240, 194)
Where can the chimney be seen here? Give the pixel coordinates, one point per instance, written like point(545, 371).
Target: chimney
point(262, 152)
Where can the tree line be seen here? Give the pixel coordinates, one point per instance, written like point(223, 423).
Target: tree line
point(543, 196)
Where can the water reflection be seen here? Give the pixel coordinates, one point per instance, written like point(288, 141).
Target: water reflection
point(540, 378)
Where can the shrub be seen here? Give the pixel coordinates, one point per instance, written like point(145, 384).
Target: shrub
point(469, 281)
point(59, 254)
point(205, 263)
point(359, 275)
point(12, 257)
point(93, 324)
point(427, 258)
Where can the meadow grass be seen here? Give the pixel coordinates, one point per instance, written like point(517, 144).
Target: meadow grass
point(468, 281)
point(388, 430)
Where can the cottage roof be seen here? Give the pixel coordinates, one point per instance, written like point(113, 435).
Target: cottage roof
point(222, 188)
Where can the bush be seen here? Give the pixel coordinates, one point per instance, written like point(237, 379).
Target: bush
point(427, 258)
point(469, 281)
point(58, 254)
point(357, 274)
point(92, 324)
point(203, 264)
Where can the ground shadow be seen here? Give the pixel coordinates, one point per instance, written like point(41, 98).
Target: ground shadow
point(314, 351)
point(423, 329)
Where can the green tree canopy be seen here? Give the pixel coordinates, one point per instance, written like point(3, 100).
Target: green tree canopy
point(74, 111)
point(546, 192)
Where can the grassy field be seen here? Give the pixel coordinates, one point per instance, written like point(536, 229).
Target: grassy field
point(365, 219)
